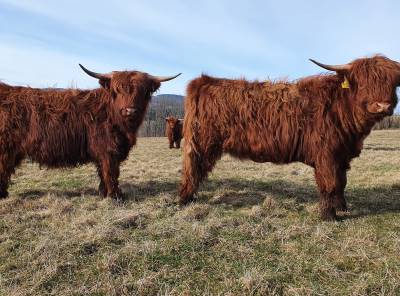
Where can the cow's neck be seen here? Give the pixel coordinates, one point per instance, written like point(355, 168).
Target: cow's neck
point(334, 109)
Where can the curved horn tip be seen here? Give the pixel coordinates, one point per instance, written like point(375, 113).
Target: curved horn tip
point(165, 78)
point(318, 63)
point(173, 77)
point(336, 68)
point(94, 74)
point(82, 67)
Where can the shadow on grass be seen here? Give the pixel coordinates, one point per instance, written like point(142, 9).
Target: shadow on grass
point(382, 148)
point(135, 192)
point(363, 201)
point(373, 200)
point(36, 194)
point(239, 193)
point(243, 193)
point(144, 190)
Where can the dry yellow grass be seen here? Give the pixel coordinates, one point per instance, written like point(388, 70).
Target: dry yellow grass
point(253, 231)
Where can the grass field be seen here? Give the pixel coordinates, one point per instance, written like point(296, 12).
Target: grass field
point(254, 230)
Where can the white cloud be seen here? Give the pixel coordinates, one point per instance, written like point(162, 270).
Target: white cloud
point(37, 66)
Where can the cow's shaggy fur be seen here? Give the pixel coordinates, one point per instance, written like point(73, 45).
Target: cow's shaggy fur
point(313, 120)
point(66, 128)
point(173, 131)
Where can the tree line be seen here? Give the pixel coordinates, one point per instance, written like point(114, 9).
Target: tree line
point(390, 122)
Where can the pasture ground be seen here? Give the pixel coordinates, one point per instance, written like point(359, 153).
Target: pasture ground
point(254, 229)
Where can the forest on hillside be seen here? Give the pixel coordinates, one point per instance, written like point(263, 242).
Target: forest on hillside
point(160, 107)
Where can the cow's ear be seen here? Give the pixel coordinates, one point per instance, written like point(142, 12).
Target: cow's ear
point(155, 85)
point(166, 119)
point(105, 83)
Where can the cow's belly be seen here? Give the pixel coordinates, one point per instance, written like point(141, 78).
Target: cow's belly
point(262, 156)
point(263, 149)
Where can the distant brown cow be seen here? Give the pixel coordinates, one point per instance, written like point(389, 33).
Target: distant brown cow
point(319, 120)
point(66, 128)
point(173, 131)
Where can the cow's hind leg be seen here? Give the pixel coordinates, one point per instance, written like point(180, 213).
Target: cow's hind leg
point(178, 144)
point(8, 162)
point(4, 180)
point(110, 173)
point(331, 182)
point(197, 164)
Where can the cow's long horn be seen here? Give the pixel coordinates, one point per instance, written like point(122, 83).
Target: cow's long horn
point(165, 78)
point(336, 68)
point(94, 74)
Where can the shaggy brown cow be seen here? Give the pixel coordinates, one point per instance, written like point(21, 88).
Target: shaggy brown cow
point(66, 128)
point(319, 120)
point(173, 131)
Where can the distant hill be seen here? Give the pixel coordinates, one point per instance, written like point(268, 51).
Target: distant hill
point(167, 98)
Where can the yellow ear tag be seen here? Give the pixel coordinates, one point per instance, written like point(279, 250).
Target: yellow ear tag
point(345, 83)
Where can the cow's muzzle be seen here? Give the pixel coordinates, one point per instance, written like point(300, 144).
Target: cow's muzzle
point(380, 108)
point(128, 111)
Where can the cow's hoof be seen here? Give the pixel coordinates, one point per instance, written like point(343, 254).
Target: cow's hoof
point(329, 215)
point(102, 191)
point(3, 194)
point(185, 201)
point(341, 208)
point(118, 195)
point(340, 205)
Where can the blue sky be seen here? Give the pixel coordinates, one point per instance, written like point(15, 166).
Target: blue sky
point(43, 41)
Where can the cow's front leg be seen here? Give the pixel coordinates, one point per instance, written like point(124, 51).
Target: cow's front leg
point(102, 186)
point(331, 182)
point(339, 201)
point(110, 173)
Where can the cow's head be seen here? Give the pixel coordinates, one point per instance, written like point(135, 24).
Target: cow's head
point(371, 82)
point(130, 91)
point(172, 122)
